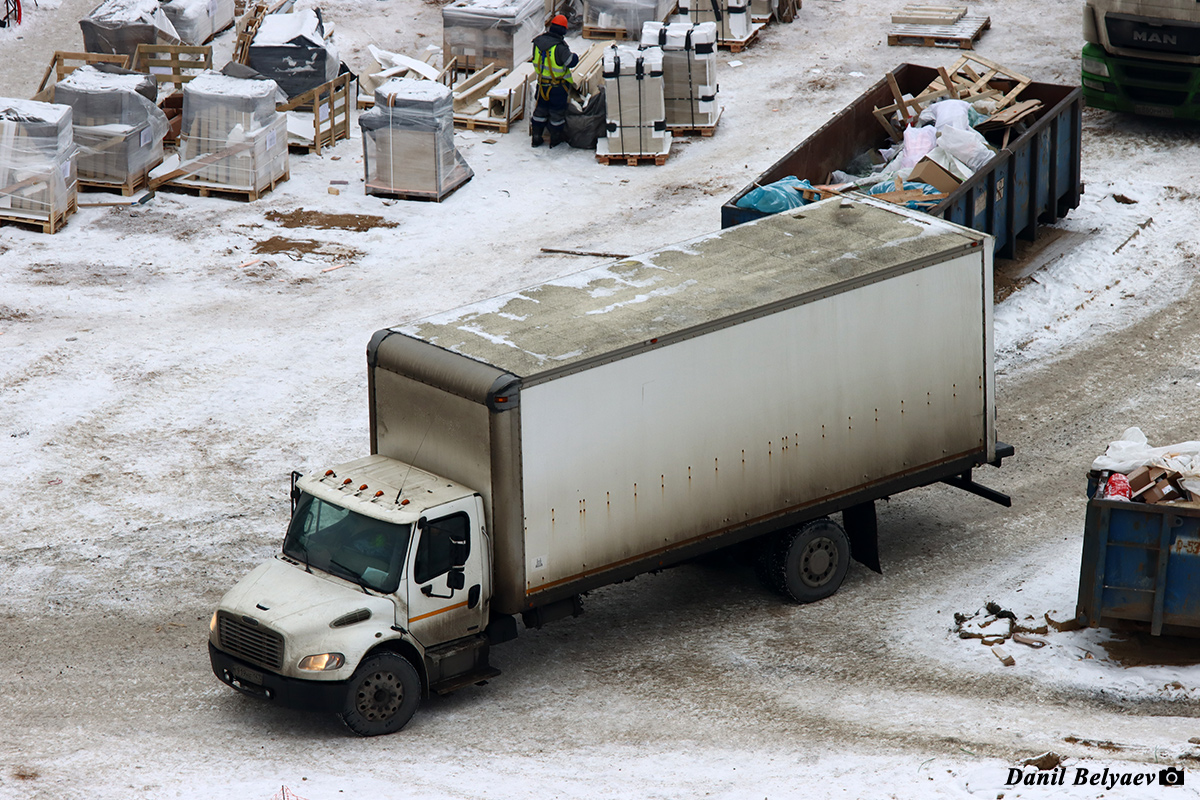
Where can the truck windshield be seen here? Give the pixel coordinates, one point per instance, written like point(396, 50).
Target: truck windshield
point(327, 537)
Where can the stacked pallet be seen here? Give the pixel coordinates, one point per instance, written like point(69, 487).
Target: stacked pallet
point(480, 32)
point(620, 19)
point(689, 74)
point(937, 26)
point(119, 26)
point(198, 21)
point(637, 125)
point(37, 163)
point(117, 127)
point(735, 28)
point(291, 49)
point(408, 142)
point(233, 139)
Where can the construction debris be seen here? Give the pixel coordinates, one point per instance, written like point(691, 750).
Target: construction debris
point(1152, 475)
point(491, 98)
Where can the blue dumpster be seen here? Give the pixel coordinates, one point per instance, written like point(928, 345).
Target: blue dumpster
point(1032, 181)
point(1140, 567)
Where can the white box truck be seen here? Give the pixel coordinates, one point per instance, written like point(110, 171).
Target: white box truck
point(526, 449)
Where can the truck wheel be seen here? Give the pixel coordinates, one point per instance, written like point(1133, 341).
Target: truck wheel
point(811, 561)
point(382, 695)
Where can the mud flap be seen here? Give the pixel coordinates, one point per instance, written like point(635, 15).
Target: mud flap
point(861, 528)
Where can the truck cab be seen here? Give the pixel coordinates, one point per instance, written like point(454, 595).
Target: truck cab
point(379, 596)
point(1142, 56)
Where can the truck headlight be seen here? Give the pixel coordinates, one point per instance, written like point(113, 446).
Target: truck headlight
point(212, 623)
point(1095, 66)
point(322, 662)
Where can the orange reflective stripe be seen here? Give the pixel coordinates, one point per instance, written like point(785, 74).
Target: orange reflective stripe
point(439, 611)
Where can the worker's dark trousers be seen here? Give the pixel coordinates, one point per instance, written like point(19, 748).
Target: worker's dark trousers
point(551, 109)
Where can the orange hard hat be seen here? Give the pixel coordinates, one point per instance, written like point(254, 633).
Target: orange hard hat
point(559, 19)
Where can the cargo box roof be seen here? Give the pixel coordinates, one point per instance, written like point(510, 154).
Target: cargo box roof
point(787, 258)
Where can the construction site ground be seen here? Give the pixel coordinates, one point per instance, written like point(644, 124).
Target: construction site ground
point(163, 368)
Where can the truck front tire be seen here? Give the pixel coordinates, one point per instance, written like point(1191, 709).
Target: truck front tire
point(383, 695)
point(807, 563)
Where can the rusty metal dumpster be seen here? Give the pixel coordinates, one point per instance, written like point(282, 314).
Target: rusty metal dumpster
point(1141, 567)
point(1034, 180)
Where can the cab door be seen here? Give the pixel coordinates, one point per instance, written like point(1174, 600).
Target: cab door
point(446, 587)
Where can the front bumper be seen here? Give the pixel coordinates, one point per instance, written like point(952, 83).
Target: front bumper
point(1143, 86)
point(328, 696)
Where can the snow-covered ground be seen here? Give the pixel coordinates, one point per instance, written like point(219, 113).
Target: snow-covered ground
point(163, 369)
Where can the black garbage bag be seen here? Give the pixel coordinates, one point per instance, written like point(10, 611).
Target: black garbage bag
point(586, 126)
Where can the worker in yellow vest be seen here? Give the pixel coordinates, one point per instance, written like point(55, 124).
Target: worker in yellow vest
point(552, 61)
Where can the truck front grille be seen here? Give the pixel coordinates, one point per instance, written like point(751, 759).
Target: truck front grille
point(250, 642)
point(1138, 72)
point(1139, 33)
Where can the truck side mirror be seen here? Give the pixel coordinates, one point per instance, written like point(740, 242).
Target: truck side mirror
point(455, 579)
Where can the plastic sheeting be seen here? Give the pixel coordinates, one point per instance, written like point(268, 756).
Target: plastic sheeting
point(118, 131)
point(775, 197)
point(1133, 450)
point(408, 140)
point(689, 70)
point(197, 21)
point(630, 15)
point(119, 26)
point(37, 159)
point(732, 17)
point(233, 132)
point(291, 50)
point(482, 32)
point(636, 110)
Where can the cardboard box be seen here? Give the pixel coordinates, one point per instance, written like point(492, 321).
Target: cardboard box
point(1163, 491)
point(927, 171)
point(1143, 478)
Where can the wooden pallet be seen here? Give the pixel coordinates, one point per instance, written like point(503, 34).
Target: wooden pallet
point(738, 45)
point(962, 34)
point(330, 107)
point(596, 32)
point(64, 63)
point(483, 123)
point(233, 192)
point(696, 130)
point(380, 190)
point(632, 159)
point(53, 224)
point(134, 184)
point(247, 28)
point(172, 63)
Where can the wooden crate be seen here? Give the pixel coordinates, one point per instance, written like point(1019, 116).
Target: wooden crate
point(64, 63)
point(329, 105)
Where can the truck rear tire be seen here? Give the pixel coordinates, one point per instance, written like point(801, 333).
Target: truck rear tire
point(383, 695)
point(808, 563)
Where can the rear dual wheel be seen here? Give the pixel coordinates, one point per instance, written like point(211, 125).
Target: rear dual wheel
point(807, 563)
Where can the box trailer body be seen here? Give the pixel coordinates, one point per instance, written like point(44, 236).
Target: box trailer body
point(1034, 180)
point(630, 417)
point(1141, 56)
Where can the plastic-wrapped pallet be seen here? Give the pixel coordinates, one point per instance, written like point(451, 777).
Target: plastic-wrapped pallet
point(734, 25)
point(232, 137)
point(119, 26)
point(627, 15)
point(689, 71)
point(633, 90)
point(197, 21)
point(291, 50)
point(119, 131)
point(408, 141)
point(482, 32)
point(37, 162)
